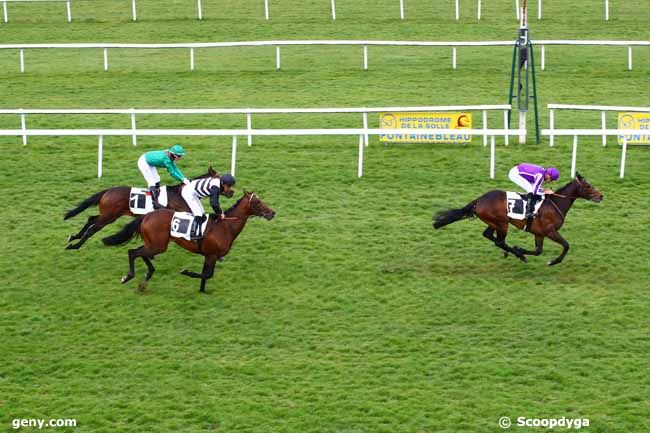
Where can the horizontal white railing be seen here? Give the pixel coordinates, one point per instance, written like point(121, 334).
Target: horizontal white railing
point(603, 116)
point(575, 133)
point(505, 108)
point(5, 13)
point(628, 44)
point(332, 6)
point(360, 132)
point(192, 46)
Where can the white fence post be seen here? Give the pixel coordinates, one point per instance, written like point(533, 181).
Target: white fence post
point(478, 13)
point(200, 8)
point(365, 126)
point(249, 124)
point(334, 9)
point(105, 59)
point(539, 9)
point(573, 156)
point(234, 155)
point(543, 57)
point(365, 57)
point(484, 127)
point(401, 9)
point(492, 152)
point(629, 58)
point(22, 61)
point(603, 124)
point(23, 126)
point(623, 156)
point(606, 10)
point(4, 12)
point(69, 11)
point(360, 164)
point(453, 58)
point(457, 13)
point(133, 10)
point(266, 9)
point(100, 155)
point(505, 126)
point(191, 59)
point(517, 9)
point(134, 138)
point(277, 58)
point(551, 125)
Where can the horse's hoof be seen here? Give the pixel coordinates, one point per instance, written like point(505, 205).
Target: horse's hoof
point(72, 247)
point(126, 278)
point(70, 238)
point(523, 258)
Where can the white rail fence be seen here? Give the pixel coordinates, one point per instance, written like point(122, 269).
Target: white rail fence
point(402, 15)
point(575, 133)
point(360, 132)
point(364, 111)
point(192, 46)
point(5, 12)
point(603, 109)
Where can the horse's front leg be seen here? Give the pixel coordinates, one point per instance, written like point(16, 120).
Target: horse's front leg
point(555, 236)
point(206, 273)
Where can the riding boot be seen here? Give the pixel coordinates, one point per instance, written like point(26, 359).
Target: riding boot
point(195, 232)
point(154, 196)
point(530, 208)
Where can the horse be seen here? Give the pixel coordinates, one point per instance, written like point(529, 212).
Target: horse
point(114, 203)
point(491, 208)
point(154, 228)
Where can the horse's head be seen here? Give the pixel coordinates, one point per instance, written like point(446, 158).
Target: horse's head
point(586, 191)
point(256, 207)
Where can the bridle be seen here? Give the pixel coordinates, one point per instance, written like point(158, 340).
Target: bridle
point(250, 200)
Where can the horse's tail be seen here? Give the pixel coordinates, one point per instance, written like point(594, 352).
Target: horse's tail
point(126, 234)
point(443, 218)
point(93, 200)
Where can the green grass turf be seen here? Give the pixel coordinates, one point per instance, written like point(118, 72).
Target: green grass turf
point(347, 313)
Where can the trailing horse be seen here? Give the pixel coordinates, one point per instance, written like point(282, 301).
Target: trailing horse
point(492, 209)
point(114, 203)
point(155, 227)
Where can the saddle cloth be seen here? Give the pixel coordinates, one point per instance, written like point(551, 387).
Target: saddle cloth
point(182, 224)
point(140, 202)
point(516, 203)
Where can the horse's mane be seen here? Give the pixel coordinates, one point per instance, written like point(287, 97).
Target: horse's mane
point(232, 208)
point(563, 188)
point(178, 185)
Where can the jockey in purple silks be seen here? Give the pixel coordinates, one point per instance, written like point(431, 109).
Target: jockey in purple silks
point(530, 178)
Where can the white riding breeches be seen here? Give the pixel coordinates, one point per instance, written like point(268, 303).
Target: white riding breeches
point(519, 180)
point(148, 171)
point(192, 200)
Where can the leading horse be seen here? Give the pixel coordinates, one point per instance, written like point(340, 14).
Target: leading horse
point(154, 228)
point(114, 203)
point(491, 208)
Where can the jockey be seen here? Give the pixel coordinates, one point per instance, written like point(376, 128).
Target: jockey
point(161, 158)
point(530, 178)
point(200, 188)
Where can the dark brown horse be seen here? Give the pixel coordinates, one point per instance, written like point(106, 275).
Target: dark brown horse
point(114, 203)
point(217, 241)
point(491, 208)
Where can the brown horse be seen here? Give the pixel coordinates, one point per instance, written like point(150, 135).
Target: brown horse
point(217, 241)
point(114, 203)
point(491, 208)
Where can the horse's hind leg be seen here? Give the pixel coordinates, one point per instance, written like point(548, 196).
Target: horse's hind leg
point(94, 228)
point(501, 243)
point(150, 268)
point(539, 246)
point(555, 236)
point(91, 221)
point(134, 254)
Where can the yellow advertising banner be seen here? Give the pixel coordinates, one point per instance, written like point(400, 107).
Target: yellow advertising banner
point(640, 121)
point(428, 123)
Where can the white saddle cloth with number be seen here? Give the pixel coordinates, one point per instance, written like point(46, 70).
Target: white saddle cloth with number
point(516, 203)
point(182, 224)
point(140, 201)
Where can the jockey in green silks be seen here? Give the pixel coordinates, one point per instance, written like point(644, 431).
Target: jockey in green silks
point(148, 162)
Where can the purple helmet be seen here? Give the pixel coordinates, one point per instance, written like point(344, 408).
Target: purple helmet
point(553, 172)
